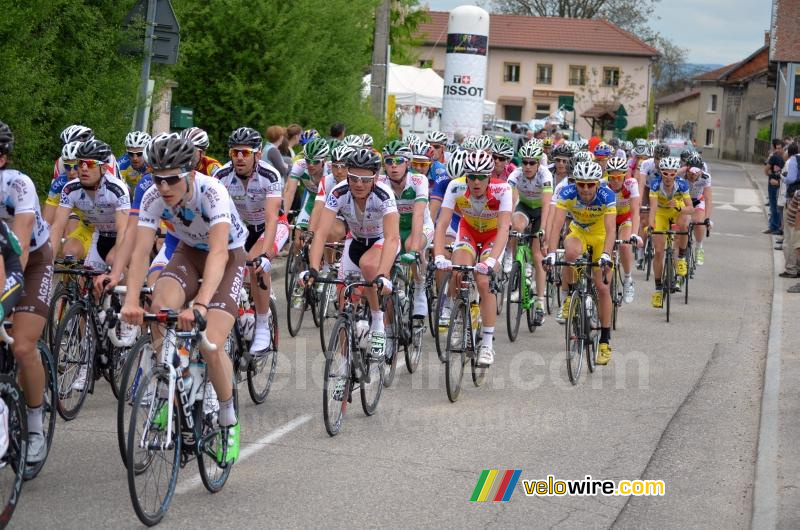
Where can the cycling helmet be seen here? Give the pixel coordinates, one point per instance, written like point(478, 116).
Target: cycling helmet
point(614, 142)
point(602, 149)
point(340, 153)
point(137, 139)
point(397, 148)
point(669, 162)
point(455, 166)
point(94, 150)
point(652, 144)
point(587, 172)
point(333, 143)
point(502, 147)
point(695, 160)
point(308, 135)
point(76, 133)
point(170, 151)
point(661, 151)
point(316, 149)
point(421, 151)
point(367, 140)
point(537, 141)
point(478, 163)
point(411, 138)
point(197, 136)
point(583, 144)
point(686, 153)
point(563, 150)
point(364, 158)
point(484, 142)
point(353, 140)
point(582, 156)
point(641, 151)
point(530, 150)
point(436, 137)
point(617, 163)
point(6, 139)
point(627, 146)
point(640, 141)
point(245, 136)
point(547, 142)
point(70, 151)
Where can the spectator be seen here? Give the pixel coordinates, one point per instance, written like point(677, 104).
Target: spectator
point(293, 136)
point(458, 137)
point(530, 135)
point(791, 239)
point(271, 154)
point(337, 131)
point(772, 170)
point(792, 183)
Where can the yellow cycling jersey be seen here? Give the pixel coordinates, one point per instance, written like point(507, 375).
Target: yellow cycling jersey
point(679, 194)
point(587, 218)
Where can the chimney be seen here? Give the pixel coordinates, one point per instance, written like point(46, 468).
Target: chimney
point(766, 38)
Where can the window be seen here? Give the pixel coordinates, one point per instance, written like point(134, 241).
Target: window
point(709, 137)
point(610, 76)
point(712, 103)
point(511, 72)
point(542, 111)
point(544, 74)
point(577, 75)
point(513, 112)
point(426, 63)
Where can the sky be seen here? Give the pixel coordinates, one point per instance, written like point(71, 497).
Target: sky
point(714, 31)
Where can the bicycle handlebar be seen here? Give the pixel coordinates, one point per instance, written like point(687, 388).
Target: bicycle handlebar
point(171, 317)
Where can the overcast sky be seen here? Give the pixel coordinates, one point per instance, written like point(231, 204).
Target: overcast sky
point(714, 31)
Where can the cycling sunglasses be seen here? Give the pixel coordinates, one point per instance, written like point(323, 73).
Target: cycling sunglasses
point(169, 180)
point(338, 165)
point(244, 152)
point(477, 177)
point(530, 162)
point(91, 164)
point(437, 146)
point(500, 158)
point(359, 178)
point(71, 165)
point(617, 176)
point(132, 154)
point(421, 163)
point(315, 162)
point(586, 184)
point(394, 161)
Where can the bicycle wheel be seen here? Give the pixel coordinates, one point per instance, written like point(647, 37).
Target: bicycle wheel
point(458, 341)
point(261, 369)
point(138, 363)
point(394, 330)
point(501, 292)
point(336, 384)
point(48, 404)
point(296, 305)
point(649, 252)
point(59, 304)
point(549, 295)
point(441, 327)
point(152, 486)
point(371, 391)
point(75, 360)
point(478, 372)
point(116, 363)
point(415, 331)
point(514, 309)
point(616, 295)
point(209, 438)
point(291, 268)
point(669, 275)
point(592, 327)
point(13, 460)
point(574, 334)
point(689, 272)
point(328, 310)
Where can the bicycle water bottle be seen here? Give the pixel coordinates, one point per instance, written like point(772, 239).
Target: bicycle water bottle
point(362, 332)
point(475, 314)
point(247, 322)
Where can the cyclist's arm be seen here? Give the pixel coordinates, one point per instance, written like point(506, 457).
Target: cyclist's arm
point(121, 222)
point(271, 211)
point(641, 178)
point(416, 224)
point(215, 262)
point(326, 220)
point(288, 192)
point(391, 242)
point(57, 230)
point(445, 215)
point(636, 203)
point(708, 201)
point(687, 208)
point(653, 209)
point(547, 196)
point(23, 228)
point(610, 223)
point(139, 263)
point(559, 216)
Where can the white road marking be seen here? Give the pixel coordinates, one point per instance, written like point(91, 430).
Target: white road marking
point(726, 206)
point(250, 450)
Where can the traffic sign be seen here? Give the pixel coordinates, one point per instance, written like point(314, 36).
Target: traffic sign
point(166, 31)
point(567, 103)
point(622, 112)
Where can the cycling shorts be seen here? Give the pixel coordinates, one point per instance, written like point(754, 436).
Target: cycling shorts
point(533, 215)
point(699, 204)
point(624, 220)
point(101, 245)
point(353, 251)
point(83, 233)
point(38, 280)
point(187, 266)
point(474, 242)
point(596, 241)
point(427, 231)
point(663, 219)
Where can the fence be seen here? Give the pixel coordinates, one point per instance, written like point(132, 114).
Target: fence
point(760, 150)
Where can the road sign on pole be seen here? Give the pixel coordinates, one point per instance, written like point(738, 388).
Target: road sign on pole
point(567, 103)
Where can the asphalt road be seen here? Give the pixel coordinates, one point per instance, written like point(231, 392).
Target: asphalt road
point(679, 402)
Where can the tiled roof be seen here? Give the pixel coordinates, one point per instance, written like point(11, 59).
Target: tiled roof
point(714, 75)
point(786, 33)
point(755, 64)
point(597, 36)
point(675, 97)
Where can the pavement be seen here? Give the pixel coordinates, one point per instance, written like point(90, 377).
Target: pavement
point(680, 402)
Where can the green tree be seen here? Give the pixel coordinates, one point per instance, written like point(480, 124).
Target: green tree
point(60, 66)
point(406, 18)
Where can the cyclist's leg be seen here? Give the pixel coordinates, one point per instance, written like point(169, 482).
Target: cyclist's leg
point(698, 216)
point(538, 257)
point(488, 302)
point(625, 251)
point(662, 223)
point(603, 289)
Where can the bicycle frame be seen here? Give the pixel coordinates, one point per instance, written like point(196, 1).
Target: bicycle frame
point(524, 256)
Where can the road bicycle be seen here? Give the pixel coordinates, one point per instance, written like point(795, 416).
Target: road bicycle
point(617, 293)
point(328, 305)
point(668, 284)
point(14, 431)
point(407, 332)
point(691, 263)
point(299, 298)
point(521, 294)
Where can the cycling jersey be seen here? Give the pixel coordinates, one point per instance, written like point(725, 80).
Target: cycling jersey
point(208, 166)
point(650, 170)
point(699, 185)
point(128, 173)
point(438, 192)
point(415, 190)
point(530, 190)
point(679, 193)
point(308, 187)
point(265, 183)
point(170, 241)
point(480, 215)
point(587, 218)
point(325, 187)
point(191, 222)
point(369, 223)
point(110, 197)
point(507, 171)
point(18, 195)
point(629, 190)
point(437, 172)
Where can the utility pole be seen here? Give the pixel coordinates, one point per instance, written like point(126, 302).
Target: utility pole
point(380, 60)
point(142, 106)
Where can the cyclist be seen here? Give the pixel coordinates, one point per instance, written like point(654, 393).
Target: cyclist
point(626, 190)
point(601, 155)
point(101, 199)
point(422, 161)
point(338, 231)
point(438, 141)
point(562, 156)
point(617, 149)
point(29, 296)
point(547, 146)
point(306, 175)
point(255, 189)
point(74, 133)
point(204, 163)
point(593, 210)
point(353, 140)
point(485, 210)
point(532, 186)
point(69, 161)
point(502, 153)
point(132, 164)
point(647, 171)
point(416, 227)
point(670, 204)
point(202, 215)
point(700, 191)
point(639, 153)
point(368, 207)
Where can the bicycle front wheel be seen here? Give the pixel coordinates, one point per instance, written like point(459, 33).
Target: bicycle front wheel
point(458, 341)
point(151, 487)
point(514, 307)
point(138, 363)
point(13, 460)
point(374, 370)
point(440, 326)
point(575, 334)
point(669, 278)
point(261, 369)
point(59, 304)
point(296, 305)
point(337, 380)
point(209, 449)
point(75, 364)
point(328, 312)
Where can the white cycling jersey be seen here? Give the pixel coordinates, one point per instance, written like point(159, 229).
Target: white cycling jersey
point(530, 190)
point(191, 222)
point(110, 197)
point(650, 170)
point(369, 223)
point(699, 185)
point(325, 187)
point(557, 190)
point(265, 183)
point(18, 195)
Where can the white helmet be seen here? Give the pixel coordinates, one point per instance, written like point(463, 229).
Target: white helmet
point(353, 140)
point(136, 139)
point(583, 156)
point(478, 162)
point(411, 138)
point(76, 133)
point(197, 136)
point(455, 166)
point(469, 143)
point(484, 142)
point(617, 163)
point(436, 137)
point(70, 151)
point(587, 172)
point(669, 162)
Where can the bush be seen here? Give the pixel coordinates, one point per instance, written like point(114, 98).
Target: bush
point(637, 132)
point(765, 133)
point(791, 129)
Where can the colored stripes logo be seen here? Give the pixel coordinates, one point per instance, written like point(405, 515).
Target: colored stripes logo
point(494, 485)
